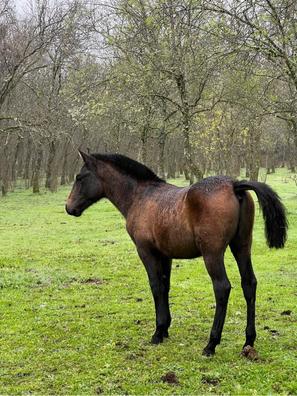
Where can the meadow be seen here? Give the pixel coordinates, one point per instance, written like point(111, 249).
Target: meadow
point(76, 312)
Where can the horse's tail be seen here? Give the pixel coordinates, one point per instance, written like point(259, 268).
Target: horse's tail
point(274, 212)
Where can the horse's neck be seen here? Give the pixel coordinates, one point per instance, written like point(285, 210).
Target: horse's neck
point(119, 189)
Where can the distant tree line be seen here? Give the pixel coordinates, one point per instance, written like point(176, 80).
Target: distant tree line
point(190, 87)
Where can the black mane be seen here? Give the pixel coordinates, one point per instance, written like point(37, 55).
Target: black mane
point(130, 167)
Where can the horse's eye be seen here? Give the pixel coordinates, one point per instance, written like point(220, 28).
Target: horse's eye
point(78, 178)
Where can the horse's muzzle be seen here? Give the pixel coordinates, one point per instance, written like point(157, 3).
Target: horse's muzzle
point(72, 211)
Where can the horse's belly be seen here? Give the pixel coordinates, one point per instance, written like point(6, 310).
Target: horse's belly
point(178, 245)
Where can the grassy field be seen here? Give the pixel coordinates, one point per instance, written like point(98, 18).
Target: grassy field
point(76, 312)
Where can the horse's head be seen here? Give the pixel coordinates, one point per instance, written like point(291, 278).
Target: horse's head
point(87, 188)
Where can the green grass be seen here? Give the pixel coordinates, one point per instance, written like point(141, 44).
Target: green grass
point(76, 312)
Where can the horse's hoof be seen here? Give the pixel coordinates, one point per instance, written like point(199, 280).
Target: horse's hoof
point(208, 352)
point(156, 339)
point(250, 353)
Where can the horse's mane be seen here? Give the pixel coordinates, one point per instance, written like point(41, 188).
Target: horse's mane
point(129, 167)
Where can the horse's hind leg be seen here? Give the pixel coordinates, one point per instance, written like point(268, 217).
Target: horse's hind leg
point(241, 249)
point(158, 269)
point(221, 285)
point(242, 255)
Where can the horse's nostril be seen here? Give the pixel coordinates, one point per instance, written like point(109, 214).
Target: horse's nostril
point(70, 211)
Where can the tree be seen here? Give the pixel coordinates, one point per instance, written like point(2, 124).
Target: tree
point(266, 28)
point(169, 41)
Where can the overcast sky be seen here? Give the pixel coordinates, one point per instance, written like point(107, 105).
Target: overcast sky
point(21, 5)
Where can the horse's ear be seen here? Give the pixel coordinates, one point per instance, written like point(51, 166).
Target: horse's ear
point(89, 161)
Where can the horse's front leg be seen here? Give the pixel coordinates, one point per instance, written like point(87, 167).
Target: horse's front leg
point(158, 269)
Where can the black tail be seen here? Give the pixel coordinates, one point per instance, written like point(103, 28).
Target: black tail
point(274, 212)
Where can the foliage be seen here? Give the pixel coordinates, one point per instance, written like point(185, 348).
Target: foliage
point(181, 85)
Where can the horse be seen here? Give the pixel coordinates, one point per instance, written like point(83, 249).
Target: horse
point(167, 222)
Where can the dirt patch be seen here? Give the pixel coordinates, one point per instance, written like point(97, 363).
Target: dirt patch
point(20, 375)
point(80, 306)
point(92, 281)
point(250, 353)
point(208, 380)
point(122, 345)
point(272, 331)
point(170, 378)
point(286, 313)
point(106, 242)
point(135, 355)
point(266, 327)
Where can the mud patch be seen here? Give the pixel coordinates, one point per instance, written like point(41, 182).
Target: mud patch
point(122, 345)
point(272, 331)
point(92, 281)
point(135, 355)
point(286, 313)
point(80, 306)
point(208, 380)
point(106, 242)
point(21, 375)
point(88, 281)
point(170, 378)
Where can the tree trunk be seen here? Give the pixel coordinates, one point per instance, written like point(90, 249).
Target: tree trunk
point(51, 178)
point(15, 160)
point(36, 171)
point(171, 168)
point(5, 170)
point(64, 169)
point(161, 143)
point(293, 127)
point(26, 174)
point(191, 170)
point(4, 188)
point(144, 139)
point(254, 172)
point(253, 154)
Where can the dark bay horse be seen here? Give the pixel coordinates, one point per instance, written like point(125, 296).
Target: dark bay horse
point(166, 222)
